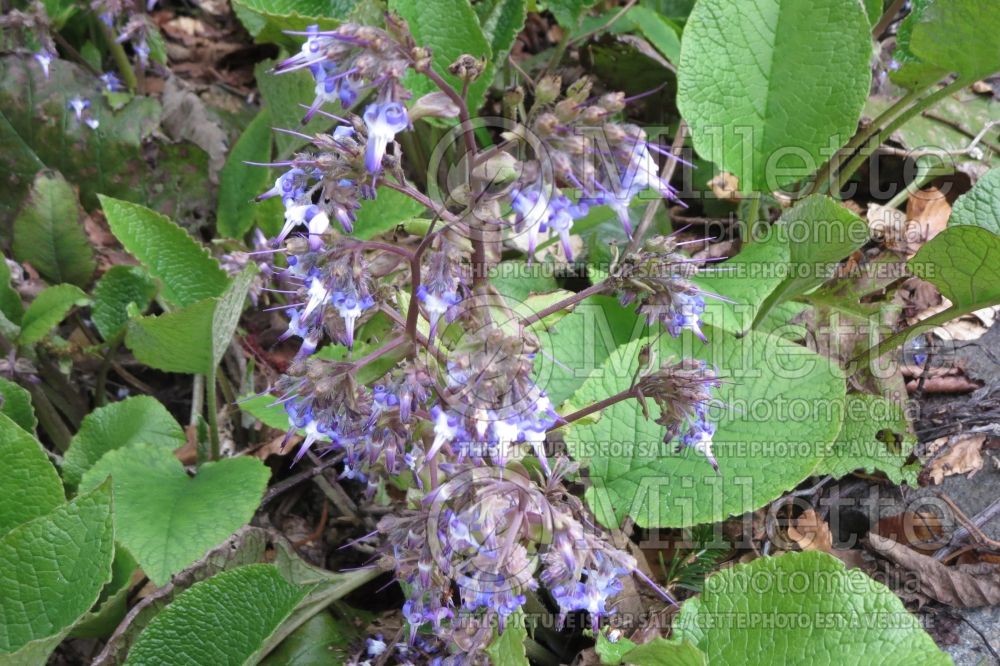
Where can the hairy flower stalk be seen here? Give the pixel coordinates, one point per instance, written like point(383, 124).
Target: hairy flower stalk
point(447, 404)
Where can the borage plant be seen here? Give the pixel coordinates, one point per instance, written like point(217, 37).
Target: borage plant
point(458, 420)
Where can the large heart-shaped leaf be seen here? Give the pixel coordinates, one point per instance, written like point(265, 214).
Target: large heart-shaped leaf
point(803, 608)
point(53, 569)
point(186, 270)
point(963, 262)
point(240, 183)
point(167, 519)
point(958, 36)
point(776, 416)
point(48, 234)
point(31, 487)
point(140, 419)
point(875, 438)
point(765, 85)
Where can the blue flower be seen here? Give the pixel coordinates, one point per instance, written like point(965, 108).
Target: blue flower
point(44, 59)
point(80, 107)
point(111, 82)
point(383, 121)
point(350, 305)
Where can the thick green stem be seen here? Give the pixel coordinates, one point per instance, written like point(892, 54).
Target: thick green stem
point(885, 134)
point(212, 407)
point(120, 57)
point(823, 175)
point(48, 417)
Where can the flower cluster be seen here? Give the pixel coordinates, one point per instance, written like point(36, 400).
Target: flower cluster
point(658, 277)
point(607, 162)
point(455, 413)
point(682, 392)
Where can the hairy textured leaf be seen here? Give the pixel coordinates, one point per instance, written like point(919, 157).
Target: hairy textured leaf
point(507, 649)
point(110, 608)
point(803, 608)
point(657, 30)
point(774, 419)
point(52, 570)
point(766, 84)
point(912, 71)
point(223, 620)
point(874, 437)
point(140, 419)
point(980, 206)
point(450, 29)
point(963, 262)
point(166, 519)
point(186, 270)
point(30, 487)
point(48, 309)
point(16, 405)
point(267, 20)
point(10, 301)
point(117, 288)
point(284, 96)
point(655, 652)
point(48, 234)
point(384, 213)
point(568, 12)
point(240, 183)
point(580, 342)
point(819, 233)
point(176, 341)
point(501, 21)
point(322, 639)
point(960, 36)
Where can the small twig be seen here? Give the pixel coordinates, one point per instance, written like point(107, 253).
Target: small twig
point(291, 482)
point(569, 301)
point(962, 533)
point(614, 19)
point(596, 407)
point(887, 18)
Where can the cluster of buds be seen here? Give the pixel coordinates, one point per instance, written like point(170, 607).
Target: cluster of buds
point(658, 277)
point(609, 163)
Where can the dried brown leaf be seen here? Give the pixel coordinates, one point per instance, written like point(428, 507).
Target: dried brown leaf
point(961, 587)
point(962, 455)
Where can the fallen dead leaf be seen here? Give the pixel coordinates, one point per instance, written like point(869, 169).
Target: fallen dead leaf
point(969, 586)
point(888, 227)
point(961, 456)
point(810, 532)
point(725, 186)
point(920, 530)
point(927, 213)
point(944, 385)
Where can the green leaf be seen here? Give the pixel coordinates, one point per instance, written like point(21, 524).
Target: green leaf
point(185, 268)
point(48, 233)
point(175, 341)
point(322, 639)
point(775, 421)
point(112, 605)
point(267, 20)
point(746, 281)
point(118, 288)
point(874, 437)
point(264, 409)
point(980, 206)
point(10, 301)
point(240, 183)
point(15, 403)
point(912, 72)
point(581, 342)
point(223, 620)
point(501, 20)
point(165, 518)
point(384, 213)
point(450, 29)
point(963, 262)
point(766, 84)
point(819, 233)
point(803, 608)
point(568, 12)
point(48, 309)
point(507, 649)
point(284, 96)
point(31, 487)
point(655, 652)
point(53, 569)
point(658, 30)
point(227, 312)
point(946, 32)
point(140, 419)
